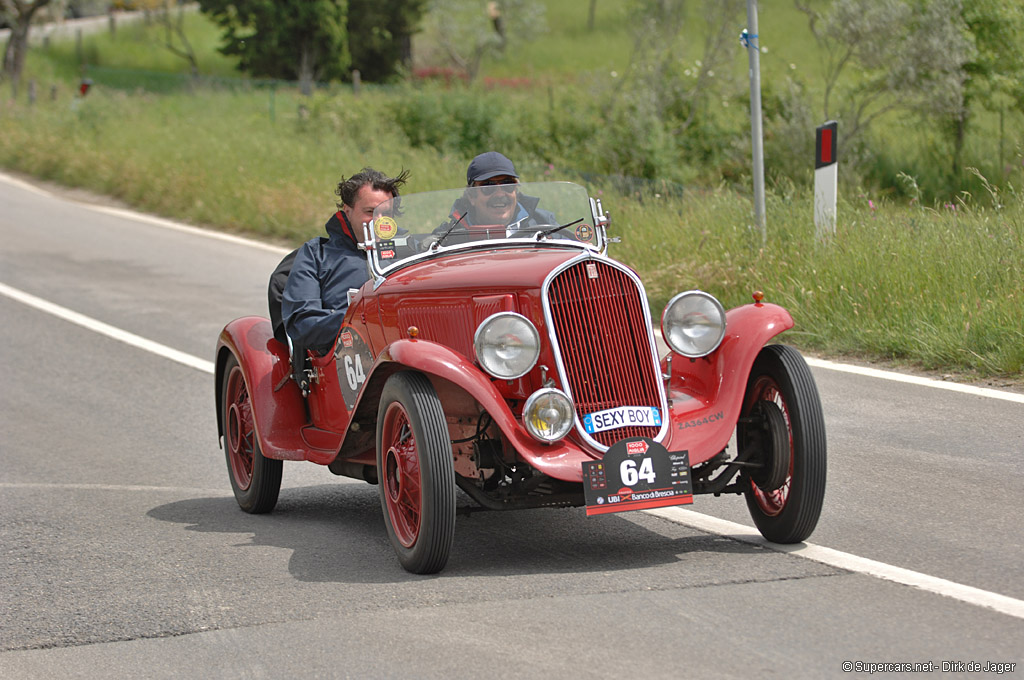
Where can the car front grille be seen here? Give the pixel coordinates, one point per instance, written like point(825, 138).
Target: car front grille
point(600, 325)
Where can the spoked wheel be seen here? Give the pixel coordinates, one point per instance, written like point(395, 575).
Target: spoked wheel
point(417, 477)
point(256, 480)
point(783, 422)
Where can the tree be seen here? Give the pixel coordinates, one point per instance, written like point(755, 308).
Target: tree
point(303, 39)
point(994, 73)
point(21, 13)
point(658, 66)
point(175, 39)
point(380, 35)
point(467, 32)
point(905, 55)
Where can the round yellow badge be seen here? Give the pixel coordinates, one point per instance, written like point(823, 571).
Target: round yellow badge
point(385, 228)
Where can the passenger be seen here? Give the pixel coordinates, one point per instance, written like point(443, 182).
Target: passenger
point(315, 296)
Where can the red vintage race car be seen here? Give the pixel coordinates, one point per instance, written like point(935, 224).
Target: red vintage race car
point(519, 364)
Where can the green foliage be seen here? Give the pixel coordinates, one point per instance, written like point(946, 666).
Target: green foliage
point(997, 68)
point(948, 295)
point(902, 57)
point(380, 36)
point(617, 119)
point(266, 162)
point(937, 288)
point(597, 53)
point(467, 34)
point(290, 39)
point(136, 46)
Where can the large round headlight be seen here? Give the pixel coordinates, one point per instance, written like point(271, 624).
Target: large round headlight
point(548, 414)
point(507, 345)
point(693, 323)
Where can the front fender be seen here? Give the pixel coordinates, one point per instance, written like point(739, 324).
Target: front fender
point(562, 460)
point(707, 394)
point(279, 416)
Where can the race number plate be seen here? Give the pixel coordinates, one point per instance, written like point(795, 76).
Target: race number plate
point(636, 474)
point(621, 416)
point(354, 359)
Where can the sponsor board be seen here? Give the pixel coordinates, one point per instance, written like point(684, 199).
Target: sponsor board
point(637, 474)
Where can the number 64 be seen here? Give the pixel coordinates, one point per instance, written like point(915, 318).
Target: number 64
point(631, 475)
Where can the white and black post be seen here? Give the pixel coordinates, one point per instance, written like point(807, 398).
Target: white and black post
point(826, 179)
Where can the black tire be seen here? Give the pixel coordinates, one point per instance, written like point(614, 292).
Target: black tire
point(789, 513)
point(416, 473)
point(255, 479)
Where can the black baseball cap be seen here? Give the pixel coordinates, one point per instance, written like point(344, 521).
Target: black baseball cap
point(487, 165)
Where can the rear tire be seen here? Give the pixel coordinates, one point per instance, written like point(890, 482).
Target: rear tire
point(416, 473)
point(789, 513)
point(255, 479)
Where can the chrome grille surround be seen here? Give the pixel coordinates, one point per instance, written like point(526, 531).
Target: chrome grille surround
point(616, 346)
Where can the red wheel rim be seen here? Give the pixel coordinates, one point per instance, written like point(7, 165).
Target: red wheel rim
point(401, 475)
point(773, 502)
point(241, 435)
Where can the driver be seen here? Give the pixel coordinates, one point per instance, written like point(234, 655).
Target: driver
point(499, 202)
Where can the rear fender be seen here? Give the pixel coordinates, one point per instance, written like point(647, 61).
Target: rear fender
point(279, 415)
point(707, 393)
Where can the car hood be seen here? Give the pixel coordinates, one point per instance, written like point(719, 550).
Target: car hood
point(472, 273)
point(448, 297)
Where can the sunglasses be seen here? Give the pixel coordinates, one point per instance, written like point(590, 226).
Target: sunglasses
point(489, 186)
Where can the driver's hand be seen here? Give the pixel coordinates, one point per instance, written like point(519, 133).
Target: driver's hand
point(425, 243)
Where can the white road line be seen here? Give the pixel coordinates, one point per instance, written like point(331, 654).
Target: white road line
point(901, 377)
point(835, 558)
point(916, 380)
point(188, 229)
point(148, 219)
point(114, 487)
point(106, 329)
point(968, 594)
point(25, 185)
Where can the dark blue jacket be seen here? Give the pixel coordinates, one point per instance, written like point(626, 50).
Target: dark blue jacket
point(316, 296)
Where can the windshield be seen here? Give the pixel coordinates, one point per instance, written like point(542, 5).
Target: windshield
point(541, 214)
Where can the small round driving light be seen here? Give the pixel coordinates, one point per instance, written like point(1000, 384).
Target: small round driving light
point(548, 415)
point(507, 345)
point(693, 323)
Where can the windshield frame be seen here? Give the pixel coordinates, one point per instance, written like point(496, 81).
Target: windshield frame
point(433, 213)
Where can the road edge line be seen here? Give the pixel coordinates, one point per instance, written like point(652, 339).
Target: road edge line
point(106, 329)
point(841, 560)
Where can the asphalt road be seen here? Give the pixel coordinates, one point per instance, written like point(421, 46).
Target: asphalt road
point(123, 553)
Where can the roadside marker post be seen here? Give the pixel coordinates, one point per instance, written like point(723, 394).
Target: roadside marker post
point(826, 179)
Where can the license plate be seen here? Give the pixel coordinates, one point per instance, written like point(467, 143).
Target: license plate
point(621, 416)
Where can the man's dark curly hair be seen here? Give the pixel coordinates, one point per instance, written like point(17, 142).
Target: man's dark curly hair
point(348, 188)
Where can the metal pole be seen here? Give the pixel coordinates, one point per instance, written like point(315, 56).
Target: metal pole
point(753, 51)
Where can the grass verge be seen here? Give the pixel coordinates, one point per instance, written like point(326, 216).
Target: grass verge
point(938, 288)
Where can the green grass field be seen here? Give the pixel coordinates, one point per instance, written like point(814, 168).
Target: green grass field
point(935, 285)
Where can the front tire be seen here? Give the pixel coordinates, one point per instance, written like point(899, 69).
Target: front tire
point(255, 479)
point(786, 512)
point(417, 477)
